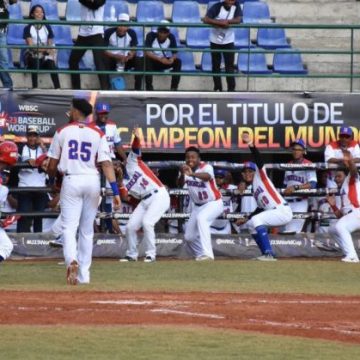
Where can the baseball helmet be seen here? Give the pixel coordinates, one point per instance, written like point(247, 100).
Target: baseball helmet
point(249, 165)
point(299, 142)
point(102, 108)
point(8, 152)
point(220, 173)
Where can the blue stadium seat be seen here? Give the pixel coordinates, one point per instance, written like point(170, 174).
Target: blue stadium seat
point(187, 61)
point(211, 3)
point(256, 12)
point(140, 37)
point(272, 38)
point(198, 37)
point(15, 34)
point(62, 35)
point(185, 12)
point(73, 10)
point(206, 64)
point(288, 63)
point(150, 11)
point(86, 63)
point(15, 11)
point(120, 8)
point(242, 38)
point(11, 62)
point(50, 8)
point(255, 64)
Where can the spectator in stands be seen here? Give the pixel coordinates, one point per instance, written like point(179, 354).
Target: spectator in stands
point(31, 201)
point(4, 56)
point(162, 59)
point(123, 59)
point(90, 35)
point(221, 16)
point(40, 35)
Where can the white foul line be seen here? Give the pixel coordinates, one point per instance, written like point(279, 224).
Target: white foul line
point(188, 313)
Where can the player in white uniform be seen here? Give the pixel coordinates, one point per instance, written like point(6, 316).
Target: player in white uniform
point(207, 203)
point(75, 150)
point(222, 178)
point(8, 157)
point(349, 214)
point(298, 180)
point(141, 183)
point(272, 209)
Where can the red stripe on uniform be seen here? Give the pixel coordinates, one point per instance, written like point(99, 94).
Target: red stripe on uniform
point(353, 195)
point(214, 189)
point(148, 172)
point(268, 186)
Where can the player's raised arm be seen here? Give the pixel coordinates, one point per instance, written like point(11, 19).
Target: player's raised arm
point(136, 144)
point(257, 157)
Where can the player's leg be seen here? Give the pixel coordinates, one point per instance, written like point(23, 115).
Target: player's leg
point(158, 204)
point(91, 191)
point(134, 224)
point(56, 230)
point(6, 245)
point(342, 230)
point(191, 235)
point(207, 214)
point(297, 225)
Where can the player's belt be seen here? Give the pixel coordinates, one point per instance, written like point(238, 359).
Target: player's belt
point(149, 194)
point(294, 200)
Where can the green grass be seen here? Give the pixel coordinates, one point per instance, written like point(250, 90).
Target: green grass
point(284, 276)
point(161, 343)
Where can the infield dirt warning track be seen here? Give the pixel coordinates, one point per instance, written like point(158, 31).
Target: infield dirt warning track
point(323, 317)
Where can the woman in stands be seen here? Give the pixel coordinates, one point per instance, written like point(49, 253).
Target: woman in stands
point(40, 35)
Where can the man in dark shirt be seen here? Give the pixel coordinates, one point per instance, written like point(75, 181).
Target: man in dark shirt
point(161, 59)
point(221, 16)
point(124, 58)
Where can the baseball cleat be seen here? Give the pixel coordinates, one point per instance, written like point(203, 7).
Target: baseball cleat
point(72, 273)
point(57, 243)
point(127, 259)
point(350, 259)
point(266, 257)
point(149, 259)
point(203, 258)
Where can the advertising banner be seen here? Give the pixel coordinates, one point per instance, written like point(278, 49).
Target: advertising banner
point(173, 121)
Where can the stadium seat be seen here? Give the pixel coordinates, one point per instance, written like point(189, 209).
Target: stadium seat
point(150, 11)
point(288, 63)
point(86, 63)
point(15, 34)
point(62, 35)
point(140, 37)
point(73, 10)
point(211, 3)
point(272, 38)
point(185, 12)
point(187, 61)
point(118, 6)
point(206, 63)
point(198, 37)
point(50, 8)
point(255, 64)
point(242, 38)
point(15, 11)
point(256, 12)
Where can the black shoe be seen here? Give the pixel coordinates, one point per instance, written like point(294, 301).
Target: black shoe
point(149, 259)
point(127, 259)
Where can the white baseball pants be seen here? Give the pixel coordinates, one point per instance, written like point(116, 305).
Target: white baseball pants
point(79, 198)
point(297, 224)
point(342, 230)
point(145, 216)
point(56, 227)
point(6, 246)
point(270, 218)
point(197, 231)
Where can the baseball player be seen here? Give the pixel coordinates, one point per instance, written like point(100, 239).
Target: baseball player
point(349, 213)
point(298, 180)
point(141, 183)
point(248, 203)
point(272, 209)
point(74, 151)
point(206, 200)
point(8, 157)
point(223, 181)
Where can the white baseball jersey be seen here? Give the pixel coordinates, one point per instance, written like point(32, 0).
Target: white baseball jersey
point(112, 135)
point(265, 193)
point(79, 147)
point(229, 207)
point(201, 192)
point(139, 180)
point(350, 194)
point(334, 150)
point(31, 176)
point(299, 177)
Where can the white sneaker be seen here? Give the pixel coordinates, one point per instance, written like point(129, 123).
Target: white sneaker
point(266, 257)
point(204, 258)
point(350, 259)
point(149, 259)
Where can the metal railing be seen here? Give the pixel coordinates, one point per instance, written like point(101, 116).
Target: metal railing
point(350, 51)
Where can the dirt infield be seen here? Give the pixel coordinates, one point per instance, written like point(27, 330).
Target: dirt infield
point(325, 317)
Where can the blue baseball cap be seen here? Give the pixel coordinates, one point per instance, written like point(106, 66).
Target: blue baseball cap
point(102, 108)
point(220, 173)
point(299, 142)
point(345, 130)
point(249, 165)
